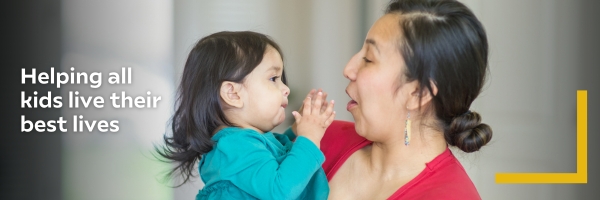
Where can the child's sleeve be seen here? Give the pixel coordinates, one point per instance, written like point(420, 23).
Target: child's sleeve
point(249, 165)
point(290, 133)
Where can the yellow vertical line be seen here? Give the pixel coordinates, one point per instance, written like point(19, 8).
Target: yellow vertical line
point(580, 176)
point(582, 135)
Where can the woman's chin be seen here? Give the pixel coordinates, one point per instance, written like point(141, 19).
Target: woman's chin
point(355, 118)
point(359, 126)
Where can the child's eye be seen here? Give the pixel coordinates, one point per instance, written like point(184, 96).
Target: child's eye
point(366, 60)
point(274, 78)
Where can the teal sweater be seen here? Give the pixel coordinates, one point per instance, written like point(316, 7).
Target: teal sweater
point(245, 164)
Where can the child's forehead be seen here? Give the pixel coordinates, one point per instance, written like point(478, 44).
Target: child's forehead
point(272, 51)
point(269, 68)
point(271, 60)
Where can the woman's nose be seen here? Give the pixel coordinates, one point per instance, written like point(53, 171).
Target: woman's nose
point(351, 67)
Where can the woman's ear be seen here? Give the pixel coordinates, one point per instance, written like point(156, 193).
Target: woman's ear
point(420, 98)
point(230, 94)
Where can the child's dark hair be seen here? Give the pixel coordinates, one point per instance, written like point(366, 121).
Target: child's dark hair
point(222, 56)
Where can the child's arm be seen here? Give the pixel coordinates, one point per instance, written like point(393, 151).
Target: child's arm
point(258, 172)
point(249, 165)
point(289, 133)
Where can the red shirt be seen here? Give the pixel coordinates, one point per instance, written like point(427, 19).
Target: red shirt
point(443, 177)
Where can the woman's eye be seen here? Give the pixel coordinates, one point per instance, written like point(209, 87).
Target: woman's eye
point(366, 60)
point(274, 78)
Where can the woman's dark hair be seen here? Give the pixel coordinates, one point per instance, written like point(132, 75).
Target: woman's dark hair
point(443, 43)
point(222, 56)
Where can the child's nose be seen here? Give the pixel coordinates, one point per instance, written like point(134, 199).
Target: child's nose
point(286, 91)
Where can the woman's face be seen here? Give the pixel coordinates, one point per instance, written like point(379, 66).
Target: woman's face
point(378, 102)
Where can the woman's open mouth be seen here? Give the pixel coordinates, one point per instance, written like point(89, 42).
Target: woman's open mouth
point(351, 104)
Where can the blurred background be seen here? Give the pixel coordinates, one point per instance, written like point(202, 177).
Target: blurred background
point(541, 53)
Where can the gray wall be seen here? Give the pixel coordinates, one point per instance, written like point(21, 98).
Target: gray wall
point(104, 36)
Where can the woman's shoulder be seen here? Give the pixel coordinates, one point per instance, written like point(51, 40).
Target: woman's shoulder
point(340, 135)
point(444, 178)
point(338, 143)
point(340, 130)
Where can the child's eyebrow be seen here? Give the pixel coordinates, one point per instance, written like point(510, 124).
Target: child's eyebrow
point(275, 68)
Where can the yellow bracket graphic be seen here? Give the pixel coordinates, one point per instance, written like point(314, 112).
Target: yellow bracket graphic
point(544, 178)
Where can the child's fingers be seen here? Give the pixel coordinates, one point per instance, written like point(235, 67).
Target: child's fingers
point(316, 107)
point(306, 107)
point(310, 94)
point(325, 104)
point(330, 119)
point(313, 94)
point(316, 94)
point(301, 108)
point(297, 116)
point(329, 109)
point(329, 113)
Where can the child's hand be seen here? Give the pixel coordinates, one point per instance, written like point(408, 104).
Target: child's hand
point(317, 115)
point(312, 94)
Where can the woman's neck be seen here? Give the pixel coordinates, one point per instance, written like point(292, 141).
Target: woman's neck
point(391, 159)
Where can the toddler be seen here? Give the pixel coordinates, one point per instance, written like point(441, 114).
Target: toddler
point(232, 94)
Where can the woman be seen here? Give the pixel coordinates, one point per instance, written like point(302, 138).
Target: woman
point(411, 85)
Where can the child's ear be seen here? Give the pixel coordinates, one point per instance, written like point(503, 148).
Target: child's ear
point(230, 94)
point(420, 98)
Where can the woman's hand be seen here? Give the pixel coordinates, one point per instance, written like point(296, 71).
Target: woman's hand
point(316, 115)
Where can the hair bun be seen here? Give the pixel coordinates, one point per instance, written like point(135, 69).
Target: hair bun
point(468, 133)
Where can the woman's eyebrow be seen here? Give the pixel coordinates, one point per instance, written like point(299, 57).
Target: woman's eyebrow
point(372, 42)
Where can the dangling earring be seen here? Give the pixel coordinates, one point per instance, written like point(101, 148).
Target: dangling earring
point(407, 130)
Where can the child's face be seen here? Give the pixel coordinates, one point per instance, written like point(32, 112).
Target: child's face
point(266, 95)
